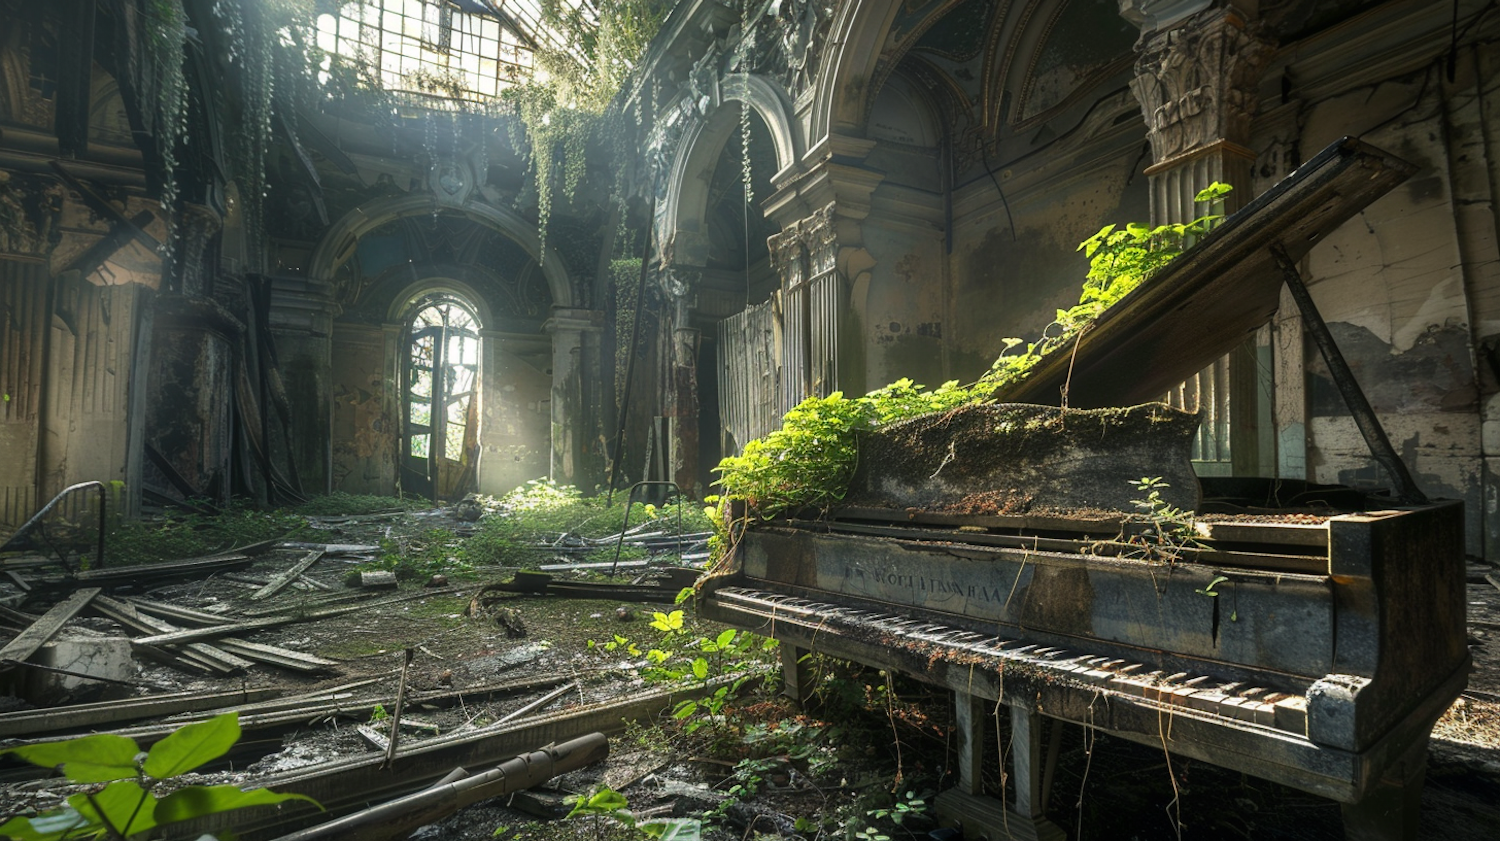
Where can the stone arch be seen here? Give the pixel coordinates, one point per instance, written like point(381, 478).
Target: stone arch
point(447, 281)
point(338, 244)
point(851, 61)
point(703, 141)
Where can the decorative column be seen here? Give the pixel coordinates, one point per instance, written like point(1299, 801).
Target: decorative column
point(567, 326)
point(1197, 75)
point(814, 303)
point(682, 404)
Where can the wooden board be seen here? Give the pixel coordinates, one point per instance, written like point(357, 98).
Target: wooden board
point(24, 645)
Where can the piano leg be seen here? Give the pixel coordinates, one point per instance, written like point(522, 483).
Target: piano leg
point(985, 817)
point(1391, 808)
point(796, 677)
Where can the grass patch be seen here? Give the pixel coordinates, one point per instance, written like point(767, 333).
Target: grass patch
point(339, 504)
point(540, 513)
point(177, 536)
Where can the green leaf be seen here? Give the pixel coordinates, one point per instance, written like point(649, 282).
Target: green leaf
point(123, 805)
point(193, 745)
point(48, 827)
point(674, 829)
point(725, 639)
point(685, 709)
point(196, 801)
point(88, 759)
point(700, 669)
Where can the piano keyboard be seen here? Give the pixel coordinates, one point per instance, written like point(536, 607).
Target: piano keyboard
point(1240, 701)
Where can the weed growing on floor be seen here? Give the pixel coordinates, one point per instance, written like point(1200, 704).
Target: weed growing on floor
point(540, 514)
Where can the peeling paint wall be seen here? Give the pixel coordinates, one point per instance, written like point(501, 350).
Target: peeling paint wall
point(1399, 286)
point(365, 412)
point(23, 296)
point(516, 411)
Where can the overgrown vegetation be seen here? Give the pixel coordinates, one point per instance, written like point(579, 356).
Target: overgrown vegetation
point(542, 513)
point(127, 804)
point(809, 461)
point(178, 535)
point(340, 503)
point(565, 107)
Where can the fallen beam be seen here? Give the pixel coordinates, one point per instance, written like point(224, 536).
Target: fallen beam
point(286, 576)
point(207, 655)
point(165, 610)
point(192, 634)
point(79, 716)
point(28, 641)
point(397, 817)
point(277, 656)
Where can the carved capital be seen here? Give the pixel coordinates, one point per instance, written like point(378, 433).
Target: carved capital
point(816, 237)
point(1197, 82)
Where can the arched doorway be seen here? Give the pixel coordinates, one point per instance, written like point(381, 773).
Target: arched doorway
point(440, 397)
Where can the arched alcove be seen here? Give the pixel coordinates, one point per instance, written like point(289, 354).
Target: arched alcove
point(385, 272)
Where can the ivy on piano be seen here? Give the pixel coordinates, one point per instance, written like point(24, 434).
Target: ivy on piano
point(808, 462)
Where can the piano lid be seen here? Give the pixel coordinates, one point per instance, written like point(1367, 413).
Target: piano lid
point(1212, 297)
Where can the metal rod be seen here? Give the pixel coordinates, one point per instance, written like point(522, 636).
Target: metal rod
point(1406, 489)
point(540, 702)
point(390, 750)
point(630, 501)
point(635, 339)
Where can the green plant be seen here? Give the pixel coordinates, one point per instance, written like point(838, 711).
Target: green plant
point(910, 806)
point(609, 806)
point(127, 804)
point(1168, 529)
point(1209, 590)
point(565, 106)
point(809, 460)
point(378, 714)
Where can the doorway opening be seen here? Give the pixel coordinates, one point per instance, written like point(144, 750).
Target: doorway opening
point(440, 389)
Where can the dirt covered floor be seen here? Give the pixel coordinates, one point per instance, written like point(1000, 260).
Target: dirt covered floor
point(859, 763)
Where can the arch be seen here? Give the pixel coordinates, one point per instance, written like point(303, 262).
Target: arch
point(338, 244)
point(703, 142)
point(402, 303)
point(852, 51)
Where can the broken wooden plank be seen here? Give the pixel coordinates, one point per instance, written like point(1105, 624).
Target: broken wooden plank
point(333, 548)
point(201, 653)
point(1493, 582)
point(314, 583)
point(377, 740)
point(286, 576)
point(377, 578)
point(24, 645)
point(16, 579)
point(275, 655)
point(78, 716)
point(540, 702)
point(166, 569)
point(167, 610)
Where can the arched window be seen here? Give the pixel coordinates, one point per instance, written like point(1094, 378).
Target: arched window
point(441, 386)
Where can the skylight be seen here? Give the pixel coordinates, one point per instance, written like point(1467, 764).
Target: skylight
point(468, 50)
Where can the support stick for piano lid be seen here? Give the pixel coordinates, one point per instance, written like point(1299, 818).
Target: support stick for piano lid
point(1354, 397)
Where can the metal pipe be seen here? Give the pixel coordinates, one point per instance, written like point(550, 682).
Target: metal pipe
point(397, 817)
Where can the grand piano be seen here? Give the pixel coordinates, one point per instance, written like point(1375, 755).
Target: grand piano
point(1309, 635)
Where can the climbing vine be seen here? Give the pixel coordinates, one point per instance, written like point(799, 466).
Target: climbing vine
point(164, 43)
point(566, 106)
point(809, 461)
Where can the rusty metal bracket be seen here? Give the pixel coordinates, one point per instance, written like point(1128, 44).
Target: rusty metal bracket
point(36, 521)
point(625, 526)
point(1406, 489)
